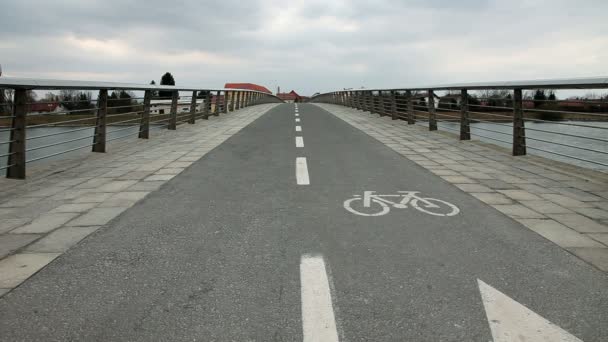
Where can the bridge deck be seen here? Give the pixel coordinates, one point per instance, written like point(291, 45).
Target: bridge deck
point(234, 248)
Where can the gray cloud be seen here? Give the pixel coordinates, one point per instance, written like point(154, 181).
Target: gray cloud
point(307, 45)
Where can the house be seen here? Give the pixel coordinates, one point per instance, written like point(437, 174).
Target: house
point(164, 106)
point(290, 97)
point(247, 86)
point(45, 107)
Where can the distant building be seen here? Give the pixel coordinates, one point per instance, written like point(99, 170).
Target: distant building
point(290, 97)
point(45, 107)
point(247, 86)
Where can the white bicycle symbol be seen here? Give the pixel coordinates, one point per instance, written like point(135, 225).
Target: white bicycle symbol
point(378, 205)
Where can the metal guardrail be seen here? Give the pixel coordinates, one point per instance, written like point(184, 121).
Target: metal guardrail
point(506, 111)
point(146, 113)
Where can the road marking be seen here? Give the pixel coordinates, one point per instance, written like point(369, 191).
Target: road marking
point(302, 171)
point(298, 128)
point(510, 321)
point(373, 204)
point(297, 114)
point(299, 142)
point(297, 119)
point(318, 321)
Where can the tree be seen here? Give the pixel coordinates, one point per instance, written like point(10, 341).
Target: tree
point(552, 96)
point(167, 79)
point(539, 98)
point(154, 92)
point(122, 100)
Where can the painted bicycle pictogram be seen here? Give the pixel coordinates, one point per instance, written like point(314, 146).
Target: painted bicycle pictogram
point(372, 204)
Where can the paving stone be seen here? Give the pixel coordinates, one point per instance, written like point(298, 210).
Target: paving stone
point(492, 198)
point(578, 194)
point(146, 186)
point(180, 164)
point(169, 171)
point(61, 239)
point(477, 188)
point(594, 213)
point(12, 242)
point(93, 183)
point(595, 256)
point(97, 217)
point(20, 202)
point(74, 207)
point(443, 172)
point(93, 197)
point(559, 234)
point(115, 186)
point(124, 199)
point(579, 223)
point(603, 238)
point(4, 291)
point(45, 223)
point(16, 268)
point(536, 189)
point(46, 192)
point(7, 224)
point(517, 211)
point(520, 195)
point(159, 178)
point(459, 180)
point(546, 207)
point(565, 201)
point(135, 175)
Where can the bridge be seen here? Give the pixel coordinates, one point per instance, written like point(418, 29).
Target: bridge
point(409, 214)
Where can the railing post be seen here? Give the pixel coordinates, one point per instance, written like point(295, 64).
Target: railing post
point(216, 110)
point(144, 124)
point(232, 100)
point(519, 130)
point(207, 108)
point(173, 114)
point(411, 117)
point(394, 105)
point(99, 140)
point(225, 103)
point(432, 111)
point(465, 123)
point(193, 108)
point(16, 159)
point(368, 101)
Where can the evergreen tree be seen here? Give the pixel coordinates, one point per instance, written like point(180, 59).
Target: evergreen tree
point(166, 80)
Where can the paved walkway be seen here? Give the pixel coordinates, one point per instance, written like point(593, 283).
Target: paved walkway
point(566, 204)
point(301, 227)
point(62, 202)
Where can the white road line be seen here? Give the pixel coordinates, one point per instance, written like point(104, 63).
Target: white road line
point(297, 114)
point(318, 321)
point(298, 128)
point(510, 321)
point(299, 142)
point(302, 171)
point(297, 120)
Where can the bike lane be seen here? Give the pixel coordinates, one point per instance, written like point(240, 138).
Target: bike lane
point(411, 276)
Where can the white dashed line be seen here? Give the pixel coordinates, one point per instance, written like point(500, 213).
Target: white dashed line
point(297, 114)
point(297, 120)
point(299, 142)
point(302, 171)
point(318, 321)
point(298, 128)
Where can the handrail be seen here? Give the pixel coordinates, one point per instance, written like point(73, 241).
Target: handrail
point(203, 102)
point(392, 102)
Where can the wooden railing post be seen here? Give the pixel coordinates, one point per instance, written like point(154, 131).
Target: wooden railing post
point(99, 140)
point(519, 130)
point(216, 110)
point(369, 101)
point(465, 123)
point(432, 111)
point(394, 116)
point(173, 114)
point(207, 108)
point(411, 116)
point(232, 100)
point(144, 124)
point(225, 103)
point(17, 159)
point(193, 108)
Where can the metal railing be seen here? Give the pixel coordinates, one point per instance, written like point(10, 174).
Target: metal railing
point(571, 130)
point(129, 110)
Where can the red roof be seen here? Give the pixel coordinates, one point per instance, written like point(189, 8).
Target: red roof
point(43, 107)
point(292, 95)
point(247, 86)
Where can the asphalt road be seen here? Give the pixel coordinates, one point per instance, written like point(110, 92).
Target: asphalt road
point(216, 254)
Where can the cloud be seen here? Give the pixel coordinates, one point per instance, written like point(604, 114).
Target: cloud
point(307, 45)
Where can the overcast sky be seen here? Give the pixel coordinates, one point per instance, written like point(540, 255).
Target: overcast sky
point(306, 45)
